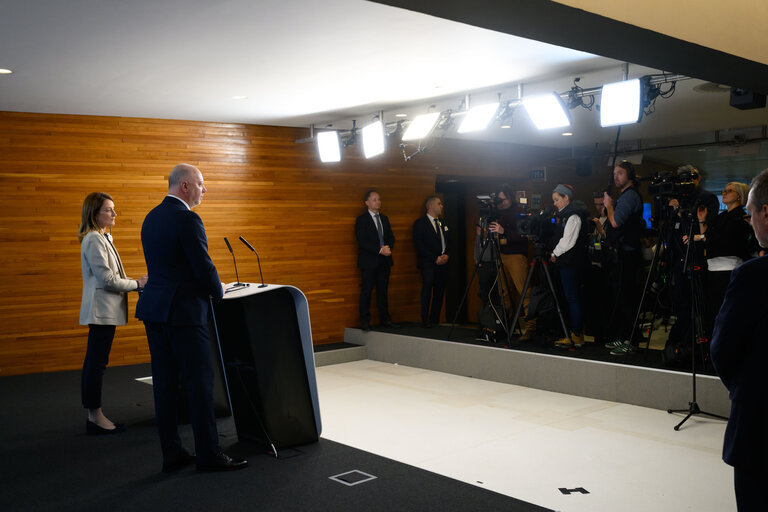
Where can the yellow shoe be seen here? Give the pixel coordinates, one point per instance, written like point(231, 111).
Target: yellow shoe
point(563, 343)
point(575, 341)
point(578, 340)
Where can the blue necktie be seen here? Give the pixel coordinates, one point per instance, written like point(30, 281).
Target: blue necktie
point(380, 230)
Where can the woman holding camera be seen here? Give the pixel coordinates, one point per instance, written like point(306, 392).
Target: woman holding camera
point(570, 254)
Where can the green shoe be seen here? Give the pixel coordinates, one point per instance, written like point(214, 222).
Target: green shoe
point(614, 344)
point(624, 349)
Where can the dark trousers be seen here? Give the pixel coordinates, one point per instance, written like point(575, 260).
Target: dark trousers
point(378, 277)
point(570, 278)
point(626, 291)
point(433, 278)
point(183, 354)
point(748, 484)
point(96, 359)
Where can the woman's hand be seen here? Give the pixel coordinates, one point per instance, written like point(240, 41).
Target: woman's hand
point(142, 280)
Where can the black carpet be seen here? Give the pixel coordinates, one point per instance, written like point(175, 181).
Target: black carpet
point(469, 333)
point(48, 463)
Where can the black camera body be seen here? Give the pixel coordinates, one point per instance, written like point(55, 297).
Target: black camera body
point(538, 226)
point(672, 185)
point(489, 208)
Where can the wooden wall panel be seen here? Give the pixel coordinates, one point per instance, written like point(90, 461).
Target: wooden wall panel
point(297, 212)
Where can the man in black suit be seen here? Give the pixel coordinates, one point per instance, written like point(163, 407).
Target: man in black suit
point(174, 308)
point(375, 242)
point(430, 237)
point(739, 351)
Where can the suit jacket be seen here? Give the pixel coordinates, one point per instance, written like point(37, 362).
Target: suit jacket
point(182, 276)
point(427, 240)
point(104, 283)
point(368, 246)
point(739, 352)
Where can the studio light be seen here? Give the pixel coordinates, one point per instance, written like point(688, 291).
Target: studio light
point(478, 118)
point(373, 139)
point(620, 103)
point(328, 146)
point(421, 126)
point(547, 111)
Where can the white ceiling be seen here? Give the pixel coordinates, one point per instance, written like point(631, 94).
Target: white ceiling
point(302, 62)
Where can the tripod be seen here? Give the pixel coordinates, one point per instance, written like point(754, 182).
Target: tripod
point(540, 262)
point(501, 281)
point(658, 274)
point(697, 327)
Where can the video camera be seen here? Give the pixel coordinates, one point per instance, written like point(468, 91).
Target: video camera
point(538, 226)
point(671, 184)
point(489, 207)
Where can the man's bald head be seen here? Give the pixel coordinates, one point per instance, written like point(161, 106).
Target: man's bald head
point(186, 182)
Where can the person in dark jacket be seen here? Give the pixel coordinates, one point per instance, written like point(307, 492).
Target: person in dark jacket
point(375, 242)
point(570, 254)
point(726, 244)
point(430, 238)
point(174, 308)
point(739, 352)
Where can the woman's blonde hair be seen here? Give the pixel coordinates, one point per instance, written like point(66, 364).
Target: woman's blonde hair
point(91, 206)
point(742, 189)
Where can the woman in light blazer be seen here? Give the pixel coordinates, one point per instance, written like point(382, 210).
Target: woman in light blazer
point(104, 305)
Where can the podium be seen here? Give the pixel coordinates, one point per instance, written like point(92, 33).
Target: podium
point(265, 341)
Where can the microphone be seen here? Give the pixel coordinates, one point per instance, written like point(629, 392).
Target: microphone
point(238, 284)
point(257, 260)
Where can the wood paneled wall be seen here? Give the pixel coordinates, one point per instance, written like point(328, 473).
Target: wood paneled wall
point(297, 212)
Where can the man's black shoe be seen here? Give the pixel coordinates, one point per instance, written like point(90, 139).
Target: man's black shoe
point(390, 324)
point(222, 462)
point(426, 324)
point(365, 326)
point(182, 460)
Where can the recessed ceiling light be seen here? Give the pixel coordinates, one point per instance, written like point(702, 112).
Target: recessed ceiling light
point(566, 134)
point(401, 115)
point(5, 71)
point(506, 126)
point(702, 149)
point(239, 97)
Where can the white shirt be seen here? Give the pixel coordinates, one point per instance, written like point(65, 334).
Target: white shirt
point(570, 235)
point(434, 226)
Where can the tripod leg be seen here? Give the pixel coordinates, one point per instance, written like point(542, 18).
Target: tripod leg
point(523, 292)
point(557, 302)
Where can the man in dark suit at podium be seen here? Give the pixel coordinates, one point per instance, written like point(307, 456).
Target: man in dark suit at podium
point(375, 242)
point(739, 351)
point(430, 237)
point(174, 308)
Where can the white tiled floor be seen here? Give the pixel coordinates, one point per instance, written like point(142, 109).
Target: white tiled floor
point(528, 443)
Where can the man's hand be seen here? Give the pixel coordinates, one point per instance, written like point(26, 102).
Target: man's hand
point(442, 259)
point(385, 250)
point(496, 228)
point(607, 200)
point(674, 203)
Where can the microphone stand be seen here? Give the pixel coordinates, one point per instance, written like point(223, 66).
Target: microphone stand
point(262, 285)
point(238, 284)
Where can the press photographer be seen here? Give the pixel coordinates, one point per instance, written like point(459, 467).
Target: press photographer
point(514, 250)
point(570, 255)
point(685, 197)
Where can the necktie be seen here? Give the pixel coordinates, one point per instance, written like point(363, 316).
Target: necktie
point(440, 232)
point(380, 230)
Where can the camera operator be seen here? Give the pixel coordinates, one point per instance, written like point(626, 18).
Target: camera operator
point(727, 244)
point(514, 251)
point(623, 230)
point(685, 221)
point(570, 254)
